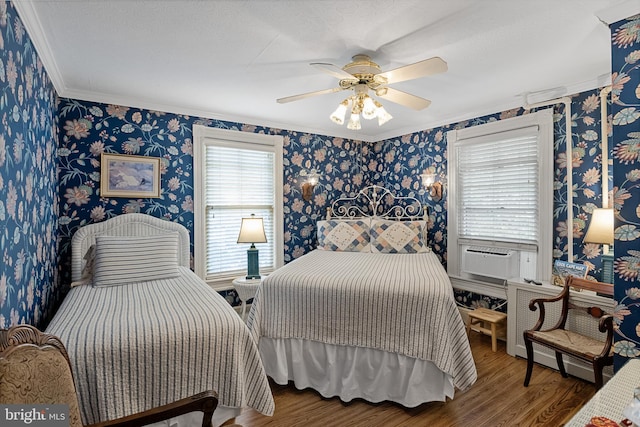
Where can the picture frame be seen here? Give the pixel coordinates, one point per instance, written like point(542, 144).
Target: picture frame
point(123, 175)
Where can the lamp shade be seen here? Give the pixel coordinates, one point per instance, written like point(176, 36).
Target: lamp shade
point(252, 230)
point(601, 227)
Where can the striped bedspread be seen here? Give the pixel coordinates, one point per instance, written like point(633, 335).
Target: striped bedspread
point(400, 303)
point(138, 346)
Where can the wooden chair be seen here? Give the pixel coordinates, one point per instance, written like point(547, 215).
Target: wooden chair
point(563, 341)
point(35, 370)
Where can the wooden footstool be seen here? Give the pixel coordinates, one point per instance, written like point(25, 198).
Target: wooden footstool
point(486, 322)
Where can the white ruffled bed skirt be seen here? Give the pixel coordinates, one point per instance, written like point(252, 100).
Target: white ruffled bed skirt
point(354, 372)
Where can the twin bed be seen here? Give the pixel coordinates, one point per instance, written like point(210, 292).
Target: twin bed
point(142, 329)
point(369, 314)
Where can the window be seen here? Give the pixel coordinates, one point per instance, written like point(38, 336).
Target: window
point(500, 191)
point(236, 174)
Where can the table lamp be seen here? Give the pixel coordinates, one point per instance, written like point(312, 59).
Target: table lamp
point(601, 231)
point(252, 231)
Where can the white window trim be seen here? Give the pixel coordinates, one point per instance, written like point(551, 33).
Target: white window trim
point(235, 139)
point(544, 120)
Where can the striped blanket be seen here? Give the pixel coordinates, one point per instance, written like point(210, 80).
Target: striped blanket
point(138, 346)
point(400, 303)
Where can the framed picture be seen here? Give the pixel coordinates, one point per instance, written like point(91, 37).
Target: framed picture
point(122, 175)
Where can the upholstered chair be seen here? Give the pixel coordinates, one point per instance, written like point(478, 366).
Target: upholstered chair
point(35, 369)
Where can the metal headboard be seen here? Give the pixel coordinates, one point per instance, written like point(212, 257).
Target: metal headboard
point(375, 201)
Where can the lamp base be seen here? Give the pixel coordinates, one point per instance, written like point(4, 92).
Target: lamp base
point(607, 267)
point(253, 264)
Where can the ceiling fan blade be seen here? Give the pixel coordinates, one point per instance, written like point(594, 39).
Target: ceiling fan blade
point(307, 95)
point(424, 68)
point(334, 70)
point(403, 98)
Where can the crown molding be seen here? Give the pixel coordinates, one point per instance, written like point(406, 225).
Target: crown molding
point(341, 132)
point(91, 96)
point(619, 12)
point(31, 22)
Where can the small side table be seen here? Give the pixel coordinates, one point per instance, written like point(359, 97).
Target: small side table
point(486, 321)
point(246, 289)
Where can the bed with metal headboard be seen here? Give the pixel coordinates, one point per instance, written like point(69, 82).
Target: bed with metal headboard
point(370, 313)
point(142, 329)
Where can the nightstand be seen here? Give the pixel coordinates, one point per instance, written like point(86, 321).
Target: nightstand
point(246, 289)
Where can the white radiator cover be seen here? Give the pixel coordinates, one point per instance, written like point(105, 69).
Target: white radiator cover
point(491, 262)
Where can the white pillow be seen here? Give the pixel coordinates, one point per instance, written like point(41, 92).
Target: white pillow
point(398, 237)
point(121, 260)
point(344, 235)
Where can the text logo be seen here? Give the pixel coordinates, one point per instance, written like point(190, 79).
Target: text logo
point(34, 415)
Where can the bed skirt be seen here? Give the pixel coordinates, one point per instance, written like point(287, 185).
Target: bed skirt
point(354, 372)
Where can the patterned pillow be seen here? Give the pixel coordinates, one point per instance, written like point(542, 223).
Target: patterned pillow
point(122, 260)
point(398, 237)
point(344, 235)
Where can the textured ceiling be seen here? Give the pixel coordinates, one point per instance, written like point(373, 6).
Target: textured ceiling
point(231, 59)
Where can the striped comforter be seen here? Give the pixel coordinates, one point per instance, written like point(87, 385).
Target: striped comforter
point(400, 303)
point(138, 346)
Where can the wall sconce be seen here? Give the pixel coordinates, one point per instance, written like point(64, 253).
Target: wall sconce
point(309, 184)
point(435, 188)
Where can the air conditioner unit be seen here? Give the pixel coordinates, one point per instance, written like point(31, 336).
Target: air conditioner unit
point(498, 263)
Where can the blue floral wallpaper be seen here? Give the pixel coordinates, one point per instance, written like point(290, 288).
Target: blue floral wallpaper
point(405, 158)
point(28, 179)
point(88, 129)
point(625, 193)
point(45, 198)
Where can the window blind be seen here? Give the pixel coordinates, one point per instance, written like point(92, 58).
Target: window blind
point(238, 183)
point(498, 195)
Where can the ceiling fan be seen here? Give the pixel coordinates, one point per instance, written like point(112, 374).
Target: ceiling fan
point(362, 75)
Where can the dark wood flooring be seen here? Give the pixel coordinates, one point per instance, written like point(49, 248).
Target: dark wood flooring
point(498, 398)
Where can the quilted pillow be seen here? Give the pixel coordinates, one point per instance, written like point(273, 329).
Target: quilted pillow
point(344, 235)
point(122, 260)
point(398, 237)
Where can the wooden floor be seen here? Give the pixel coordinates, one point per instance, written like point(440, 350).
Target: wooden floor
point(498, 398)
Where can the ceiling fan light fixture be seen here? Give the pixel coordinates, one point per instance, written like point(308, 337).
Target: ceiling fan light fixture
point(339, 114)
point(369, 109)
point(354, 122)
point(361, 104)
point(363, 75)
point(383, 116)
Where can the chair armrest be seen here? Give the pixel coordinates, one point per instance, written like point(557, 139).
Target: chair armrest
point(206, 402)
point(532, 306)
point(606, 325)
point(540, 303)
